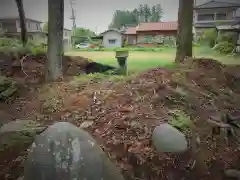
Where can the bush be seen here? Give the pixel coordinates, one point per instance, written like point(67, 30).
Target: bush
point(14, 47)
point(9, 42)
point(224, 47)
point(209, 36)
point(227, 37)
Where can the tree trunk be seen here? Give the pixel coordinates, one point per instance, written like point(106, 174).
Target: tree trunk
point(55, 40)
point(185, 34)
point(22, 22)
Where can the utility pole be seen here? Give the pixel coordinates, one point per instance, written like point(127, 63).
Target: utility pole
point(73, 18)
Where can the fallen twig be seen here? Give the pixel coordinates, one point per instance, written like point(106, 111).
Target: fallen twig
point(21, 63)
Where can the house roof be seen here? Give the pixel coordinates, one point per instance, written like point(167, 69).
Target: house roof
point(218, 4)
point(131, 31)
point(158, 26)
point(116, 30)
point(205, 25)
point(16, 18)
point(67, 29)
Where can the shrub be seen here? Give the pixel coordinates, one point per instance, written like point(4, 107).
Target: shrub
point(9, 42)
point(38, 50)
point(14, 47)
point(209, 36)
point(224, 47)
point(227, 37)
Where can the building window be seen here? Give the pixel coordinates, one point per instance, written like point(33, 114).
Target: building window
point(205, 17)
point(18, 24)
point(29, 25)
point(37, 26)
point(221, 16)
point(112, 41)
point(66, 33)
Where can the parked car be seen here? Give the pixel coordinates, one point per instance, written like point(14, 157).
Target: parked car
point(82, 45)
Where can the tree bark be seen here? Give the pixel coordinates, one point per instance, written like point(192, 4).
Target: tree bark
point(185, 33)
point(55, 40)
point(22, 22)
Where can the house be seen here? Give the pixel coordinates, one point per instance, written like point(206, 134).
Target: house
point(144, 33)
point(67, 38)
point(220, 14)
point(112, 38)
point(153, 30)
point(11, 28)
point(236, 26)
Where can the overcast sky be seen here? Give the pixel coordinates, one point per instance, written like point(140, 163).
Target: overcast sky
point(93, 14)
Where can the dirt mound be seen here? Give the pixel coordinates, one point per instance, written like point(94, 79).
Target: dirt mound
point(123, 116)
point(127, 115)
point(31, 68)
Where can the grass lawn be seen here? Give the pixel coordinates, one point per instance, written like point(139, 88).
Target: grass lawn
point(140, 61)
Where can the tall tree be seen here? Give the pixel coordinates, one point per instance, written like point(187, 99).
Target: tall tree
point(83, 32)
point(143, 13)
point(156, 13)
point(122, 18)
point(55, 40)
point(146, 13)
point(135, 15)
point(185, 34)
point(22, 21)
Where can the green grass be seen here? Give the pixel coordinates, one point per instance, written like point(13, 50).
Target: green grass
point(141, 61)
point(137, 61)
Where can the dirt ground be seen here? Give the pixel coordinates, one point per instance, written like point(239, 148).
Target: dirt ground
point(125, 113)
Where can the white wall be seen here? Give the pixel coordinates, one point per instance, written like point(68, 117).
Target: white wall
point(238, 12)
point(112, 35)
point(30, 25)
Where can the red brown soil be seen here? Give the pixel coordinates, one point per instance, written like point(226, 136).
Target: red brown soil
point(126, 112)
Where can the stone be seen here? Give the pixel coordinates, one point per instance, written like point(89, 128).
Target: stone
point(20, 125)
point(64, 151)
point(168, 139)
point(86, 124)
point(232, 173)
point(18, 133)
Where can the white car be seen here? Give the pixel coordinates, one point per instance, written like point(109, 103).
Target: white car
point(82, 45)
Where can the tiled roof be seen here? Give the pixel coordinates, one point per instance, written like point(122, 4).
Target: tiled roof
point(16, 18)
point(116, 30)
point(130, 30)
point(204, 25)
point(158, 26)
point(217, 4)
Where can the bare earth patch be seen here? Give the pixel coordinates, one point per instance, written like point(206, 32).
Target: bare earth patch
point(121, 116)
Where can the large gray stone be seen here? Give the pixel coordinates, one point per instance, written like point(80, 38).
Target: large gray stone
point(65, 152)
point(168, 139)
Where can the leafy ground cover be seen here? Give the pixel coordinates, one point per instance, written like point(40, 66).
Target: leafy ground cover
point(121, 113)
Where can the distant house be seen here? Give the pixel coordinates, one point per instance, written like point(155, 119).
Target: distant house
point(11, 28)
point(112, 38)
point(67, 38)
point(164, 30)
point(137, 35)
point(220, 14)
